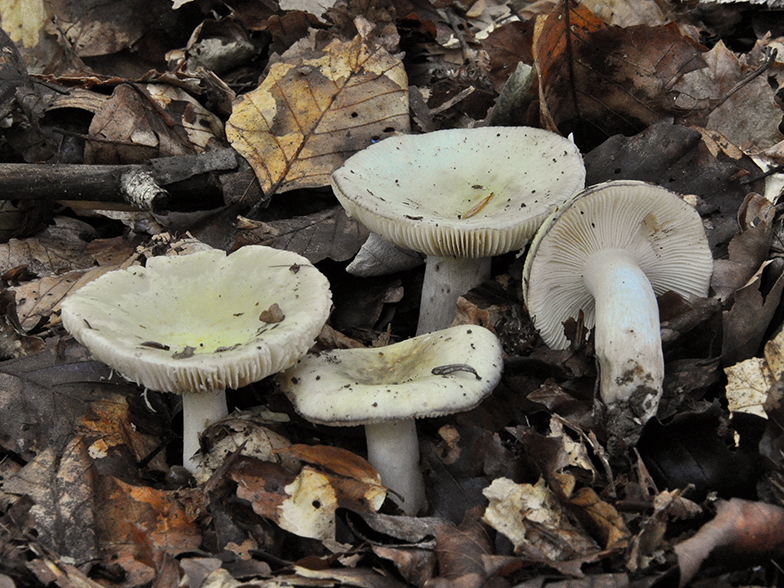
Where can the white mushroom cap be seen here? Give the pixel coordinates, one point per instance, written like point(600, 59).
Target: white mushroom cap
point(460, 192)
point(435, 374)
point(204, 321)
point(662, 233)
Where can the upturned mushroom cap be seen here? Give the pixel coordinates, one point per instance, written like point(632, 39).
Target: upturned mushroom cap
point(204, 321)
point(460, 192)
point(431, 375)
point(661, 232)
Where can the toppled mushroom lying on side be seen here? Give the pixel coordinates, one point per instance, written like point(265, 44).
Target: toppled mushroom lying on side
point(609, 252)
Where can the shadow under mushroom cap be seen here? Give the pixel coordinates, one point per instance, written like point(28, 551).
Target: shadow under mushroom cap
point(204, 321)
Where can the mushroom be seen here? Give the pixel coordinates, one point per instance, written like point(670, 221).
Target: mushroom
point(609, 252)
point(460, 196)
point(200, 323)
point(386, 388)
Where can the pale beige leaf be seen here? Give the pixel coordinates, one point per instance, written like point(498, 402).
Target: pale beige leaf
point(529, 515)
point(747, 386)
point(774, 355)
point(310, 510)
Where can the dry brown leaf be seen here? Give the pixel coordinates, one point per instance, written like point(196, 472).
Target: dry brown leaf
point(106, 424)
point(144, 121)
point(601, 518)
point(726, 97)
point(754, 306)
point(416, 566)
point(23, 20)
point(43, 256)
point(39, 299)
point(749, 381)
point(748, 249)
point(316, 109)
point(305, 503)
point(460, 551)
point(626, 14)
point(63, 488)
point(326, 234)
point(139, 521)
point(598, 80)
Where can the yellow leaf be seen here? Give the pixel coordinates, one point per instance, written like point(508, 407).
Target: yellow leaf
point(316, 109)
point(748, 381)
point(23, 20)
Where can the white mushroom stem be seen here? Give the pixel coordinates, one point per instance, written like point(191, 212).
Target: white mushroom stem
point(628, 335)
point(199, 409)
point(393, 449)
point(446, 279)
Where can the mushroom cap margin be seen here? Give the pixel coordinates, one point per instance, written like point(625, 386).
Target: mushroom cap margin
point(417, 191)
point(350, 387)
point(162, 326)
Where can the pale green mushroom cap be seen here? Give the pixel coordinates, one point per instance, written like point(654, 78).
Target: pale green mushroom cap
point(460, 192)
point(431, 375)
point(204, 321)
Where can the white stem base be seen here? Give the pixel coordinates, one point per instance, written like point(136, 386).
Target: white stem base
point(628, 334)
point(199, 409)
point(446, 279)
point(393, 449)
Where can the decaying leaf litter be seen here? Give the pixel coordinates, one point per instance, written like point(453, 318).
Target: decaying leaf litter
point(220, 123)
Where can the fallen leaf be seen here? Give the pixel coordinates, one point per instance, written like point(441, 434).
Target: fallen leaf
point(597, 80)
point(318, 236)
point(460, 550)
point(754, 306)
point(143, 121)
point(748, 249)
point(304, 503)
point(357, 485)
point(45, 394)
point(530, 516)
point(600, 518)
point(224, 437)
point(416, 566)
point(694, 450)
point(316, 109)
point(63, 486)
point(38, 300)
point(140, 521)
point(627, 14)
point(60, 573)
point(309, 507)
point(749, 381)
point(23, 20)
point(726, 97)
